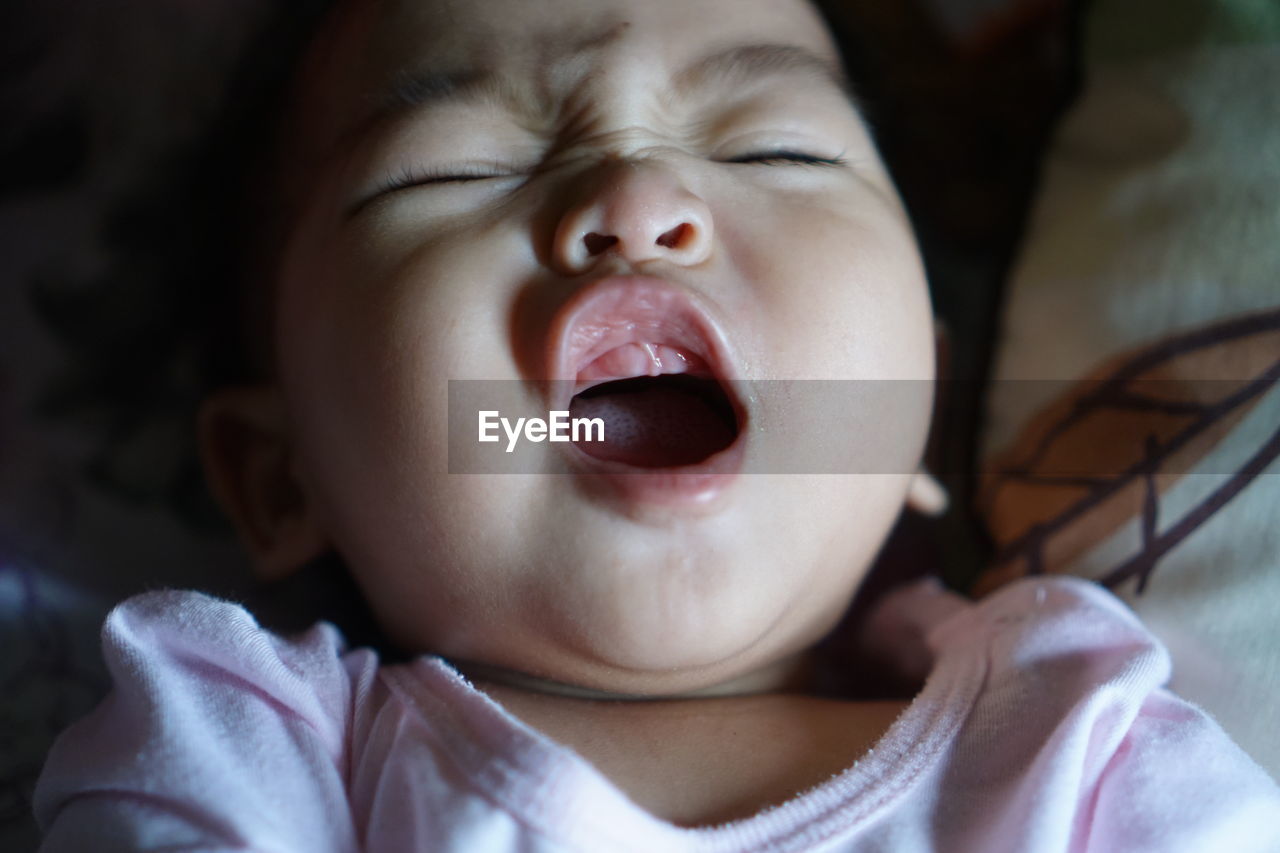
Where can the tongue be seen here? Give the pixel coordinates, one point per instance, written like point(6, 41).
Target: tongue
point(660, 423)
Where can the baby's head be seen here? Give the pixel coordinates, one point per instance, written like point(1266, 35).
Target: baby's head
point(576, 190)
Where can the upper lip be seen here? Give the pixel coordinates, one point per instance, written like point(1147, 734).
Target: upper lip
point(618, 310)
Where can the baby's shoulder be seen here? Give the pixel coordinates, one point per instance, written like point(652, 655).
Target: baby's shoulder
point(181, 625)
point(214, 728)
point(1060, 639)
point(1042, 626)
point(185, 649)
point(1068, 714)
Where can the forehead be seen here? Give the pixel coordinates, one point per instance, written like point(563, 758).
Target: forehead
point(536, 33)
point(375, 52)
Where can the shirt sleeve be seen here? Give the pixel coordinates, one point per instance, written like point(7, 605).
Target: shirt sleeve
point(1089, 749)
point(216, 735)
point(1177, 782)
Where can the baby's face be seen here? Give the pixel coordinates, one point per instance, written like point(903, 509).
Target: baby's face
point(681, 182)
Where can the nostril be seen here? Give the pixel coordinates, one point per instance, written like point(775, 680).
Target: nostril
point(673, 238)
point(597, 243)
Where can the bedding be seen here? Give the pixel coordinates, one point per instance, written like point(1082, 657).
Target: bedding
point(1133, 431)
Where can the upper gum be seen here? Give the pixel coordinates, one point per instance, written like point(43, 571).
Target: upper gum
point(615, 312)
point(669, 330)
point(649, 359)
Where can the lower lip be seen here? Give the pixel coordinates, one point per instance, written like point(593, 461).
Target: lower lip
point(691, 487)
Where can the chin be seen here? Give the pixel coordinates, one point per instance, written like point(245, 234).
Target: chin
point(666, 646)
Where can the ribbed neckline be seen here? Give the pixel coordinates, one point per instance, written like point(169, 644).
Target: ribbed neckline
point(539, 781)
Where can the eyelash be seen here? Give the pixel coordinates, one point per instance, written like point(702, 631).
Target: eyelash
point(410, 178)
point(793, 158)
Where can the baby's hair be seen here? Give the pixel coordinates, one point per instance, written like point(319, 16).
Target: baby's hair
point(175, 315)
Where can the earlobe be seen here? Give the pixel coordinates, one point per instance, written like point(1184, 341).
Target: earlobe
point(245, 448)
point(926, 495)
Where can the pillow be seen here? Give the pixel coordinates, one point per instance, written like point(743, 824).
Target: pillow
point(1133, 428)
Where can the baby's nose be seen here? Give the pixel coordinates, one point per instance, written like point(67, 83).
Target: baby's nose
point(639, 211)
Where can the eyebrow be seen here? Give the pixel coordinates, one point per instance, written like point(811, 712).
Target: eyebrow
point(738, 65)
point(743, 64)
point(410, 90)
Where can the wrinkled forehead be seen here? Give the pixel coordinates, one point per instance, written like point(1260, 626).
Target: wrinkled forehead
point(373, 53)
point(544, 35)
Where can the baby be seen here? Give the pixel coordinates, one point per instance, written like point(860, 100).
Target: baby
point(639, 210)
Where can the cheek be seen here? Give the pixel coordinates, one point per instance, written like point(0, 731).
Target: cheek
point(372, 329)
point(371, 405)
point(836, 291)
point(430, 559)
point(366, 353)
point(837, 296)
point(355, 367)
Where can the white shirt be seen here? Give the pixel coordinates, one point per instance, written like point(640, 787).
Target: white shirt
point(1042, 726)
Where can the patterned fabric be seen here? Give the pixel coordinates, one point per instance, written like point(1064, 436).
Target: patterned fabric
point(1135, 418)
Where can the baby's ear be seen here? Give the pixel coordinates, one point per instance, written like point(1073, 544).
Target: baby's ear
point(244, 445)
point(926, 495)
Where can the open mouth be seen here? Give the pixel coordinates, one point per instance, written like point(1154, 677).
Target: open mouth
point(653, 368)
point(664, 421)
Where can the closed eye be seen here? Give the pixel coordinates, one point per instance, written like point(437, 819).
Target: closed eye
point(408, 178)
point(788, 158)
point(416, 178)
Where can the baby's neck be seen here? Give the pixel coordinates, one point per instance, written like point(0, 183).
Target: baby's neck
point(789, 675)
point(706, 760)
